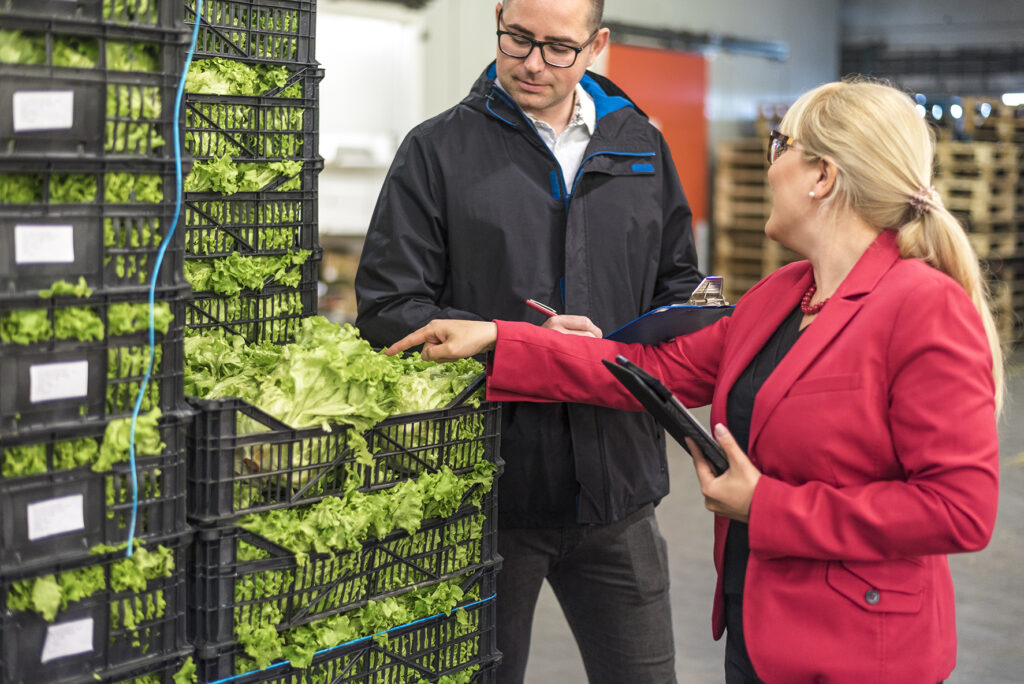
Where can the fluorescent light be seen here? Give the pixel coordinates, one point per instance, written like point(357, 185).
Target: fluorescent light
point(956, 111)
point(1013, 99)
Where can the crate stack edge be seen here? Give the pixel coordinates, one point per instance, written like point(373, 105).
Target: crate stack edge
point(86, 195)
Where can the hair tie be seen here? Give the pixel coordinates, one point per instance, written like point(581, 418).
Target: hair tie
point(923, 200)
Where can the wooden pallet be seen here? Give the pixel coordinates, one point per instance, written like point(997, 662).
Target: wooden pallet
point(745, 153)
point(1003, 123)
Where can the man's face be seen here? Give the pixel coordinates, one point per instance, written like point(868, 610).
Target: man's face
point(539, 88)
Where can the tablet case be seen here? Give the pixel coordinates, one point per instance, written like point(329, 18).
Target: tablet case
point(667, 410)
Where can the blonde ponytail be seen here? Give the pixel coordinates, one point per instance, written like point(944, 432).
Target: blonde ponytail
point(935, 237)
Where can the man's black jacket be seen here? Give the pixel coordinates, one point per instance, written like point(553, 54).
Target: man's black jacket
point(474, 218)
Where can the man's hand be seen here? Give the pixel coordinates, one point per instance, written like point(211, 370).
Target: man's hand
point(730, 493)
point(573, 325)
point(449, 340)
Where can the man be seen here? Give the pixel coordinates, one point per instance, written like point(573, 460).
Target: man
point(546, 182)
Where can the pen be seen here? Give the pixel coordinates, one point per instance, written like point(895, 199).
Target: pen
point(542, 308)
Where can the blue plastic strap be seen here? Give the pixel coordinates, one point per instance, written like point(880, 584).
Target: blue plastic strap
point(156, 274)
point(284, 663)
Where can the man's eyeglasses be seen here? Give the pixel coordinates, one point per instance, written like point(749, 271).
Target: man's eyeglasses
point(777, 144)
point(554, 54)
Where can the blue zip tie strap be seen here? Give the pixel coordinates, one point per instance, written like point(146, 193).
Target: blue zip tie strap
point(284, 663)
point(156, 273)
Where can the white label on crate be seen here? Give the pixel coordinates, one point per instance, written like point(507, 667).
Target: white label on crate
point(53, 381)
point(44, 110)
point(56, 516)
point(44, 244)
point(67, 639)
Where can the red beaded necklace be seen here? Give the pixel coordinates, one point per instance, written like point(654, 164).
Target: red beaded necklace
point(805, 303)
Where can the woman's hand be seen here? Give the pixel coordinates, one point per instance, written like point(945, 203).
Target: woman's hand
point(573, 325)
point(449, 340)
point(730, 493)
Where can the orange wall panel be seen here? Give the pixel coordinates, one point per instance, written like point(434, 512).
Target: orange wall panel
point(670, 87)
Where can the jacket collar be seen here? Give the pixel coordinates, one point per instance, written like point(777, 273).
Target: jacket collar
point(848, 299)
point(501, 105)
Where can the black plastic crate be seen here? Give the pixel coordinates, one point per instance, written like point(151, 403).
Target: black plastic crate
point(263, 128)
point(61, 514)
point(113, 247)
point(103, 221)
point(89, 92)
point(119, 627)
point(266, 465)
point(136, 14)
point(280, 31)
point(53, 384)
point(226, 592)
point(429, 648)
point(273, 314)
point(262, 223)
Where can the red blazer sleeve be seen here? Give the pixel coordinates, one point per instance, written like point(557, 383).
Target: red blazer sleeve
point(942, 424)
point(531, 363)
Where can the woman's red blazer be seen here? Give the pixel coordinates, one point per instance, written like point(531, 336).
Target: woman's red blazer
point(876, 437)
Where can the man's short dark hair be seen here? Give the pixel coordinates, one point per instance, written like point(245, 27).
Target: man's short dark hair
point(596, 13)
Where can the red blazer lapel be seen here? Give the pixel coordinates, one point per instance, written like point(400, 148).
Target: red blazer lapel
point(845, 303)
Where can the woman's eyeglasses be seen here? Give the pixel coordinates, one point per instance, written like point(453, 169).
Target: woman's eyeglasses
point(777, 144)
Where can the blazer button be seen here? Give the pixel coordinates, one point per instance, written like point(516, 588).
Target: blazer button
point(871, 597)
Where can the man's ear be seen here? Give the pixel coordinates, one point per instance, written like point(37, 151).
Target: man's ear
point(599, 44)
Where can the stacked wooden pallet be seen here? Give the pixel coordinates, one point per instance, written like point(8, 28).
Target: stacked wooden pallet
point(742, 203)
point(989, 120)
point(978, 182)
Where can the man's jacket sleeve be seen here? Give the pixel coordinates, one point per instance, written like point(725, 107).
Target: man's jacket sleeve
point(403, 269)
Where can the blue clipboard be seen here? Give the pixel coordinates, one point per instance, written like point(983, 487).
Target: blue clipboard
point(667, 322)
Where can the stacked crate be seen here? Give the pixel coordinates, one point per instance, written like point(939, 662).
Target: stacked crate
point(86, 195)
point(260, 597)
point(742, 203)
point(264, 606)
point(251, 200)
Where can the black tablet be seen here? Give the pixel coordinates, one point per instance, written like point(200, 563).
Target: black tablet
point(666, 408)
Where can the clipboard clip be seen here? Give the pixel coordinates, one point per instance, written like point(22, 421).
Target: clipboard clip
point(708, 293)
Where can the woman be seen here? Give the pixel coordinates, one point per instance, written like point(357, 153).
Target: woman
point(860, 389)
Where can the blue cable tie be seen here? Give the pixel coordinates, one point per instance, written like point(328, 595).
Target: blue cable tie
point(156, 273)
point(283, 663)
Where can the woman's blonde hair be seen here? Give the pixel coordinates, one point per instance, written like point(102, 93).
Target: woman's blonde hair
point(883, 151)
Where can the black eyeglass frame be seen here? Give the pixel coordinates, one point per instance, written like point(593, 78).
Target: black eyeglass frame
point(542, 44)
point(778, 143)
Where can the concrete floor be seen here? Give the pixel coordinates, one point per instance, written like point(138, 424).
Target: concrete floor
point(989, 584)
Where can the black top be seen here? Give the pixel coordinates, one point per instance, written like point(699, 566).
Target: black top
point(739, 410)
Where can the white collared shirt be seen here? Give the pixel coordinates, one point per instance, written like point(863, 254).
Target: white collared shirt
point(571, 145)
